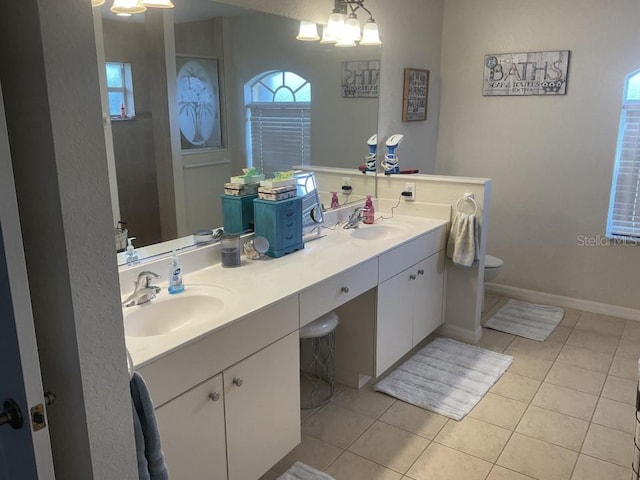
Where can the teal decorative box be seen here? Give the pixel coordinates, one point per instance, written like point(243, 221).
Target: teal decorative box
point(237, 212)
point(281, 223)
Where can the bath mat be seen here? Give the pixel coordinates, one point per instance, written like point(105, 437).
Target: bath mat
point(300, 471)
point(446, 377)
point(527, 320)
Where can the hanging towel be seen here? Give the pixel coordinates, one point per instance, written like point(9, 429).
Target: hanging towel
point(463, 244)
point(151, 464)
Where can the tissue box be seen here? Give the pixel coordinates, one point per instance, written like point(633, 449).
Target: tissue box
point(237, 212)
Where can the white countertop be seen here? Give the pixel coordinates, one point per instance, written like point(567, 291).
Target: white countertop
point(257, 284)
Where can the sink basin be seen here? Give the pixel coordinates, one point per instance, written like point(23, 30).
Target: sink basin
point(168, 314)
point(376, 232)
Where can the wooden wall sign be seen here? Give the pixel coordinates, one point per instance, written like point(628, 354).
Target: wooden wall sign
point(415, 95)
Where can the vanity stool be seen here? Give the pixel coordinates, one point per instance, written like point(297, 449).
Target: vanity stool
point(317, 361)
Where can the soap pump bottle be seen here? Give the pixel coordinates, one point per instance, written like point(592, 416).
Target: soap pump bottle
point(131, 256)
point(368, 212)
point(335, 203)
point(175, 275)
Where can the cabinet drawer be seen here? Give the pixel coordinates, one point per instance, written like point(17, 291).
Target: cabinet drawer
point(333, 292)
point(402, 257)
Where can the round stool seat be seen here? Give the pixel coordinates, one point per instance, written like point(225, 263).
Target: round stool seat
point(320, 327)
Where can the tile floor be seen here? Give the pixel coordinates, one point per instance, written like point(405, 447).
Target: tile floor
point(563, 411)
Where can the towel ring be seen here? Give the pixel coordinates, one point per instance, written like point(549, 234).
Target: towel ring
point(129, 364)
point(468, 197)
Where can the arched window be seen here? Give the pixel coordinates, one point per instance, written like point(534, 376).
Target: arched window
point(624, 207)
point(278, 121)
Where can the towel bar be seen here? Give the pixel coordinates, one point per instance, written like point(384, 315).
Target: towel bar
point(468, 197)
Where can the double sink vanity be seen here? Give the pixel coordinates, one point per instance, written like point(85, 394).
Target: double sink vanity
point(221, 359)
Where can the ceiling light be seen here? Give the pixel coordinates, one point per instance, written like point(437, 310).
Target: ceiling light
point(97, 3)
point(157, 3)
point(125, 7)
point(308, 32)
point(370, 34)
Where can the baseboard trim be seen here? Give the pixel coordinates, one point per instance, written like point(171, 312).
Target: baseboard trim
point(459, 333)
point(534, 296)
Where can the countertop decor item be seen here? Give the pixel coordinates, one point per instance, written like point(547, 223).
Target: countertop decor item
point(415, 95)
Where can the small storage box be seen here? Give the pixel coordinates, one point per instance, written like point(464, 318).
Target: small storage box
point(280, 223)
point(237, 213)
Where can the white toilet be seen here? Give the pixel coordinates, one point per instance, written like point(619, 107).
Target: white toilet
point(492, 267)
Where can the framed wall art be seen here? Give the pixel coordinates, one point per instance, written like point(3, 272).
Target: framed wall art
point(360, 79)
point(415, 95)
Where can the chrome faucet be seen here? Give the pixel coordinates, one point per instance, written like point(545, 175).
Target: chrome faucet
point(354, 219)
point(143, 291)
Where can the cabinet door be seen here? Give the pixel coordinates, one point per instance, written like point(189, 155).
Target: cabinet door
point(193, 434)
point(394, 322)
point(262, 401)
point(428, 288)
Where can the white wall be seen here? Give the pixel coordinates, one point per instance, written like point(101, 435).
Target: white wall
point(550, 158)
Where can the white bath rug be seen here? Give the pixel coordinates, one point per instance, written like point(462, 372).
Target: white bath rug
point(300, 471)
point(446, 377)
point(526, 320)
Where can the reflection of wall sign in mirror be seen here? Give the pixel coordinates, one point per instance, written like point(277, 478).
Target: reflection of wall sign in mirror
point(360, 79)
point(529, 73)
point(415, 95)
point(198, 103)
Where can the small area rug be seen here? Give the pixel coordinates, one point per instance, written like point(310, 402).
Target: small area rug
point(300, 471)
point(527, 320)
point(446, 377)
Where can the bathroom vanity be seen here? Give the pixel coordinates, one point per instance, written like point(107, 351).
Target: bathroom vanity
point(227, 388)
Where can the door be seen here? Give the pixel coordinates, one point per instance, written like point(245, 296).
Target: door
point(429, 285)
point(24, 454)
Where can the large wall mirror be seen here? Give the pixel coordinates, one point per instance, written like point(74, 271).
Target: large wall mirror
point(265, 78)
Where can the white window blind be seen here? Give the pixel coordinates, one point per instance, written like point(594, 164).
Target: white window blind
point(624, 207)
point(280, 136)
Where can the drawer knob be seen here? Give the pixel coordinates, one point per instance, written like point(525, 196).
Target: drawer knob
point(237, 382)
point(344, 289)
point(420, 272)
point(214, 396)
point(413, 276)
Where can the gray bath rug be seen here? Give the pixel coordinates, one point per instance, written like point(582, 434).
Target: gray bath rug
point(526, 320)
point(300, 471)
point(446, 377)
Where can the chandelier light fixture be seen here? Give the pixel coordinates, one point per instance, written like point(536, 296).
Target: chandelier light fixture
point(343, 27)
point(127, 8)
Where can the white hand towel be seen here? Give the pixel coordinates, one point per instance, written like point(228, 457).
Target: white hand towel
point(463, 244)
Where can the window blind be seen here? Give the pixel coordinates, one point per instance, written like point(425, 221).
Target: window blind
point(280, 136)
point(624, 210)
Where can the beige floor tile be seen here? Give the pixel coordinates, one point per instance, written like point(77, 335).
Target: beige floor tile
point(609, 445)
point(553, 427)
point(620, 389)
point(501, 411)
point(352, 467)
point(307, 412)
point(624, 367)
point(559, 335)
point(501, 473)
point(389, 446)
point(531, 367)
point(631, 331)
point(364, 401)
point(570, 317)
point(270, 475)
point(593, 341)
point(438, 462)
point(495, 340)
point(516, 387)
point(312, 452)
point(615, 415)
point(538, 459)
point(474, 437)
point(546, 351)
point(602, 324)
point(414, 419)
point(588, 359)
point(336, 425)
point(576, 378)
point(589, 468)
point(491, 300)
point(629, 348)
point(565, 400)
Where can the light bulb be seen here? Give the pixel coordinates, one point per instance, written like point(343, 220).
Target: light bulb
point(352, 28)
point(370, 34)
point(328, 36)
point(127, 7)
point(308, 32)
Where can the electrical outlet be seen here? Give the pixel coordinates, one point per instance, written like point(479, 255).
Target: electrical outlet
point(411, 188)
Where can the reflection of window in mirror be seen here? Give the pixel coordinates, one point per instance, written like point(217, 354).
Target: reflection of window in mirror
point(278, 121)
point(120, 90)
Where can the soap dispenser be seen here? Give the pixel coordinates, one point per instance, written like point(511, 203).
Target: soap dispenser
point(335, 203)
point(175, 275)
point(131, 256)
point(368, 212)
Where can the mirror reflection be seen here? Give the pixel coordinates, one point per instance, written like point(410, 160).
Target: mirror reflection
point(247, 95)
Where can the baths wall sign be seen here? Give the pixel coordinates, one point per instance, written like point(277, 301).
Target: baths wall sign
point(528, 73)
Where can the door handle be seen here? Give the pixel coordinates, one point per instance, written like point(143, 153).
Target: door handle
point(11, 415)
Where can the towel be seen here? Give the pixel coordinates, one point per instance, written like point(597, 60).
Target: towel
point(151, 464)
point(300, 471)
point(463, 245)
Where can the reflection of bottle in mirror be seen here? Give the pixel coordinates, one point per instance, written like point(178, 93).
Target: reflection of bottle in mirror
point(335, 203)
point(368, 212)
point(123, 111)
